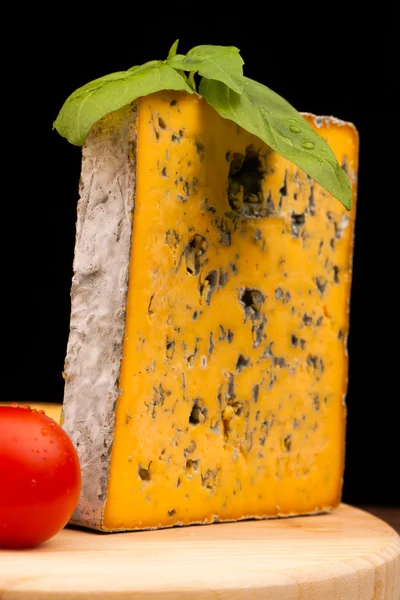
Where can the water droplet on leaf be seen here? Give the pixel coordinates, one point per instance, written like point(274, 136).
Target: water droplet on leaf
point(295, 129)
point(308, 145)
point(287, 140)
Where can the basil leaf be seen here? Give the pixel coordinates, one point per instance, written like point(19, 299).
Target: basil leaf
point(221, 63)
point(251, 105)
point(173, 49)
point(265, 114)
point(145, 66)
point(91, 102)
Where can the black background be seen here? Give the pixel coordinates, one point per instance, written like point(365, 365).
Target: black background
point(331, 63)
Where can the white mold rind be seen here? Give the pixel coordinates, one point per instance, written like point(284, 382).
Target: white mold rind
point(98, 300)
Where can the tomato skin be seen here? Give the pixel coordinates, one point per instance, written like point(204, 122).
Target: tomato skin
point(40, 477)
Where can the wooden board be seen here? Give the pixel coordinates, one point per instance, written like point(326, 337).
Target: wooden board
point(51, 409)
point(346, 555)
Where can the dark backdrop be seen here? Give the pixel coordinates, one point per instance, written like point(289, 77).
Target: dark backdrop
point(330, 64)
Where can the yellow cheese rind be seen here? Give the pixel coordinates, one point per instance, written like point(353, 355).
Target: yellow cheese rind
point(234, 366)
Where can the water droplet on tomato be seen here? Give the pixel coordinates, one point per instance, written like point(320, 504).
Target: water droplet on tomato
point(33, 482)
point(27, 407)
point(44, 431)
point(41, 412)
point(52, 425)
point(51, 441)
point(14, 405)
point(36, 439)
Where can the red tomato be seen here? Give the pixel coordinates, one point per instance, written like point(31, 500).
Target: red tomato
point(40, 477)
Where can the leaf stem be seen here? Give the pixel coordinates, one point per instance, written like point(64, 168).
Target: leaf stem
point(191, 81)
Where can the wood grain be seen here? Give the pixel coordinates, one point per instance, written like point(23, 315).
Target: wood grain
point(51, 409)
point(346, 555)
point(389, 514)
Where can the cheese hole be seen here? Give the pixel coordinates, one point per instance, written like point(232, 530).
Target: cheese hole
point(191, 466)
point(252, 301)
point(297, 222)
point(336, 274)
point(144, 474)
point(244, 183)
point(207, 288)
point(194, 251)
point(241, 363)
point(170, 349)
point(198, 413)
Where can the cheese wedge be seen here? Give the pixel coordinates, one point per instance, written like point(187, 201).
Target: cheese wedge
point(206, 368)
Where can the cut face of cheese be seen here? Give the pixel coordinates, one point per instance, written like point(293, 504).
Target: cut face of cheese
point(206, 368)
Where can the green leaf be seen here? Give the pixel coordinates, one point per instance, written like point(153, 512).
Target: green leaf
point(145, 66)
point(91, 102)
point(251, 105)
point(220, 63)
point(265, 114)
point(173, 49)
